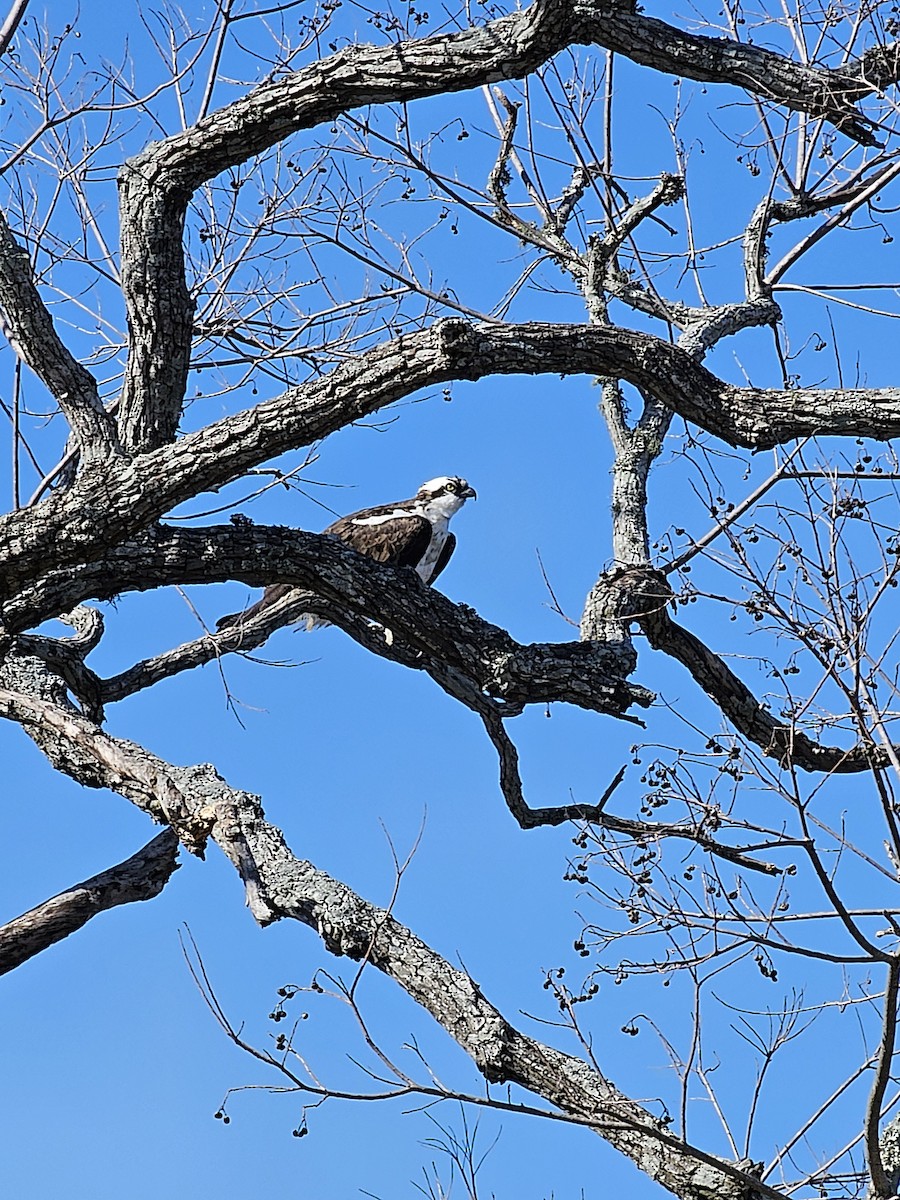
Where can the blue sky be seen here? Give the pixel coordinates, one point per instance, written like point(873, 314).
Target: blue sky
point(113, 1065)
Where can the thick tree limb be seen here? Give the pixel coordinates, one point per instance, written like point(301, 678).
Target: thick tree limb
point(508, 48)
point(596, 814)
point(105, 508)
point(142, 777)
point(818, 91)
point(140, 877)
point(756, 418)
point(428, 630)
point(281, 886)
point(65, 656)
point(31, 332)
point(474, 661)
point(351, 926)
point(777, 739)
point(157, 184)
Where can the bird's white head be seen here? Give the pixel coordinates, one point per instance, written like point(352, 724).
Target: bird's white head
point(445, 495)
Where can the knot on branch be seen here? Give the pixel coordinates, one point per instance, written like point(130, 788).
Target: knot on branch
point(455, 338)
point(139, 778)
point(878, 67)
point(592, 675)
point(87, 623)
point(889, 1144)
point(671, 188)
point(491, 1037)
point(350, 940)
point(65, 658)
point(623, 595)
point(637, 592)
point(751, 1167)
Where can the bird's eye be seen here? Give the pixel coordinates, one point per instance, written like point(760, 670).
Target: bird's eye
point(450, 487)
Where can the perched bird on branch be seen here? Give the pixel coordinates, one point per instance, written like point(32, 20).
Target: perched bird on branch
point(410, 533)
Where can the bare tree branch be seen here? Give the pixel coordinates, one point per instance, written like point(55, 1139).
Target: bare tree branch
point(140, 877)
point(282, 886)
point(156, 185)
point(775, 738)
point(27, 325)
point(428, 630)
point(11, 24)
point(101, 509)
point(318, 272)
point(816, 91)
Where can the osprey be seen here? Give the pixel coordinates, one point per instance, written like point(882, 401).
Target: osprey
point(411, 533)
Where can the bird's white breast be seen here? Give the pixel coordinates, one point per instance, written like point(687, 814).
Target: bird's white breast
point(439, 532)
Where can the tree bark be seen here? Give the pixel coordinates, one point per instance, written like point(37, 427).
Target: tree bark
point(141, 877)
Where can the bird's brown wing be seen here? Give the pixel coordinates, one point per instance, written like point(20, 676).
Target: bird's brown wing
point(443, 558)
point(401, 541)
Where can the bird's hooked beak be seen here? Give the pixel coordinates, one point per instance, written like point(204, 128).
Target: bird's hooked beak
point(469, 494)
